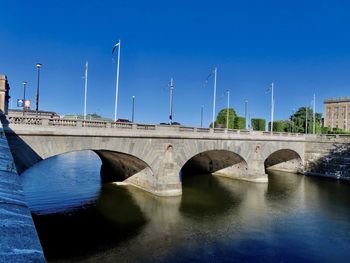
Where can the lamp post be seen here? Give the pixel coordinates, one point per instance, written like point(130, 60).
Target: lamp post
point(117, 80)
point(38, 66)
point(306, 116)
point(171, 101)
point(245, 113)
point(228, 106)
point(272, 106)
point(85, 89)
point(24, 95)
point(202, 109)
point(214, 97)
point(314, 115)
point(133, 109)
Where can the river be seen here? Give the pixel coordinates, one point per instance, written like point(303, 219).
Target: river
point(293, 218)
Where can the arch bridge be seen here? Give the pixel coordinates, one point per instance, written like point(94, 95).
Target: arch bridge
point(154, 157)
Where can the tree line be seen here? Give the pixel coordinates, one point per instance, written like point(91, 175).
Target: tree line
point(298, 122)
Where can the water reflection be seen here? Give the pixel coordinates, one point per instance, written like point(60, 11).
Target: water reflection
point(203, 196)
point(292, 218)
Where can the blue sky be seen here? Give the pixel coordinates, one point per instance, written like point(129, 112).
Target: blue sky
point(303, 46)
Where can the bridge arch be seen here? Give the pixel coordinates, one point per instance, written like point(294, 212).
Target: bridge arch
point(218, 162)
point(118, 166)
point(287, 160)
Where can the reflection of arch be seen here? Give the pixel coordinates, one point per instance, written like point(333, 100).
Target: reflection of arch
point(284, 160)
point(117, 166)
point(220, 162)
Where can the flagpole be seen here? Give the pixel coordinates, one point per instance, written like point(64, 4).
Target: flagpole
point(117, 83)
point(214, 99)
point(272, 107)
point(86, 80)
point(171, 100)
point(314, 116)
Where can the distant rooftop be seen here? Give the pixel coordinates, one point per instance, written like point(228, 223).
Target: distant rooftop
point(341, 99)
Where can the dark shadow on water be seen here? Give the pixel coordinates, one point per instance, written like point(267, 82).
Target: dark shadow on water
point(79, 234)
point(282, 185)
point(203, 196)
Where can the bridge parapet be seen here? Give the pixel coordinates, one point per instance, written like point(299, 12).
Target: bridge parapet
point(23, 123)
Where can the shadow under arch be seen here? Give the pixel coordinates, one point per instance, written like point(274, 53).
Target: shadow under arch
point(218, 162)
point(118, 166)
point(284, 160)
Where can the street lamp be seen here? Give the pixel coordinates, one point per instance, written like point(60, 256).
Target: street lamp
point(133, 109)
point(38, 66)
point(202, 109)
point(24, 95)
point(245, 113)
point(228, 105)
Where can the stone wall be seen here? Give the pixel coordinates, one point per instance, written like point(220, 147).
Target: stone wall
point(19, 241)
point(328, 157)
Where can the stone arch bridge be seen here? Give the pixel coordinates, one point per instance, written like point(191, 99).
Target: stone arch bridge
point(154, 157)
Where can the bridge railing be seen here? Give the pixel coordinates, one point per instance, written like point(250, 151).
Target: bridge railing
point(63, 122)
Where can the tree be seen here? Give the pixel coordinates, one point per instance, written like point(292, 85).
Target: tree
point(298, 120)
point(222, 117)
point(258, 124)
point(239, 123)
point(280, 126)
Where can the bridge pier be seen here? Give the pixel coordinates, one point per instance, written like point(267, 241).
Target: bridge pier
point(254, 173)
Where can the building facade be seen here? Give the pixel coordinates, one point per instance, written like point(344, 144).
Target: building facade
point(337, 113)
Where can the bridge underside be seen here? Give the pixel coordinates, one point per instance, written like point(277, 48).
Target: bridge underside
point(117, 167)
point(223, 163)
point(284, 160)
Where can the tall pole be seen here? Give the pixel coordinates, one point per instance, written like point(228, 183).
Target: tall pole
point(272, 106)
point(85, 93)
point(117, 81)
point(133, 110)
point(214, 97)
point(314, 115)
point(202, 109)
point(245, 113)
point(38, 66)
point(171, 100)
point(228, 106)
point(306, 116)
point(24, 95)
point(250, 122)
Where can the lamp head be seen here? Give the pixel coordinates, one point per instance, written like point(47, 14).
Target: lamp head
point(38, 65)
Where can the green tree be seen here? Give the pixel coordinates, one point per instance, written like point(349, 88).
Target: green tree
point(222, 117)
point(239, 123)
point(280, 126)
point(298, 120)
point(258, 124)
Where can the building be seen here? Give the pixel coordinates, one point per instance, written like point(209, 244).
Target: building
point(337, 113)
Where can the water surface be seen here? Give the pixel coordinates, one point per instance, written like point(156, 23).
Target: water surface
point(293, 218)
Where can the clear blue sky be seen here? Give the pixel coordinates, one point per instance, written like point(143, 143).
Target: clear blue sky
point(303, 46)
